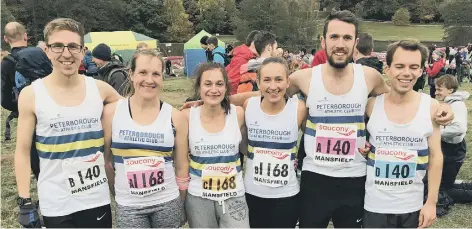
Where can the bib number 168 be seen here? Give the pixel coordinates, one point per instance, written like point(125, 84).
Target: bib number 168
point(274, 171)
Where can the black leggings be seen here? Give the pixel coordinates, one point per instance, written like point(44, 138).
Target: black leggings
point(99, 217)
point(273, 212)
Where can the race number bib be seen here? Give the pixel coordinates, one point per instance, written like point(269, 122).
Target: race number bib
point(219, 182)
point(394, 168)
point(145, 175)
point(335, 143)
point(85, 176)
point(271, 167)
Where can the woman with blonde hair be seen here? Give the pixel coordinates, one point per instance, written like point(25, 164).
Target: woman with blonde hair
point(145, 138)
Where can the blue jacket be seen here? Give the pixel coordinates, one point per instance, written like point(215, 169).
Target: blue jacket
point(217, 58)
point(89, 64)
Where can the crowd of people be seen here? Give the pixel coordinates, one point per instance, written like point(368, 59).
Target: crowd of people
point(371, 155)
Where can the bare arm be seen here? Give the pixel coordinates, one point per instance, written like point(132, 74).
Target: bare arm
point(435, 160)
point(299, 81)
point(428, 212)
point(181, 147)
point(25, 130)
point(107, 120)
point(302, 112)
point(239, 99)
point(375, 82)
point(107, 92)
point(244, 141)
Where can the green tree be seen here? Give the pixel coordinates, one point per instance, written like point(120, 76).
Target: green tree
point(457, 21)
point(192, 10)
point(401, 17)
point(180, 29)
point(291, 21)
point(6, 16)
point(216, 16)
point(147, 17)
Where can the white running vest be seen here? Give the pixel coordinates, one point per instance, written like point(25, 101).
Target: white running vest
point(70, 142)
point(142, 155)
point(398, 160)
point(215, 168)
point(335, 128)
point(272, 148)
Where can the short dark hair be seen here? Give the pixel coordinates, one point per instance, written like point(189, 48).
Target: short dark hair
point(448, 81)
point(212, 41)
point(225, 103)
point(251, 37)
point(366, 44)
point(410, 45)
point(345, 16)
point(263, 40)
point(313, 51)
point(303, 50)
point(203, 40)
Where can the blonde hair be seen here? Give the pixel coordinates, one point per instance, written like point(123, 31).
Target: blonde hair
point(60, 24)
point(128, 87)
point(142, 45)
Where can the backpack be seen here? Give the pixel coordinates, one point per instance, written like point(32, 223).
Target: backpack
point(108, 77)
point(29, 64)
point(225, 57)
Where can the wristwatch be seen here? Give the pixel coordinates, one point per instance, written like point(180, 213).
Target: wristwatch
point(22, 201)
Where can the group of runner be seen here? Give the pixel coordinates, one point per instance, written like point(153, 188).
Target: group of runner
point(93, 142)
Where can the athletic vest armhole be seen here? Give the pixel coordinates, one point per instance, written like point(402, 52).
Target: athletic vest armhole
point(378, 106)
point(359, 76)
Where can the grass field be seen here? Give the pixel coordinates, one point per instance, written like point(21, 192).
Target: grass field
point(175, 92)
point(387, 31)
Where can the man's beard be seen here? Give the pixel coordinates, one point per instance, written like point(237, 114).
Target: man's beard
point(339, 65)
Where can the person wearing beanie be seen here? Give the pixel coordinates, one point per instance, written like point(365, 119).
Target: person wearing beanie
point(109, 70)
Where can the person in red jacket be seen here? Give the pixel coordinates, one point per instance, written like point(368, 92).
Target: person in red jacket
point(241, 55)
point(433, 70)
point(320, 58)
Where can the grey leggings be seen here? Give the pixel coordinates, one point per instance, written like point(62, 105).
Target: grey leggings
point(205, 213)
point(165, 215)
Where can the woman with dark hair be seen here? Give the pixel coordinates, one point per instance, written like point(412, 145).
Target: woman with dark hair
point(146, 150)
point(216, 191)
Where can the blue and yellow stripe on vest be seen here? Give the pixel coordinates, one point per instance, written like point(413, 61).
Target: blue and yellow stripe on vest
point(292, 146)
point(356, 119)
point(421, 163)
point(69, 146)
point(197, 164)
point(131, 150)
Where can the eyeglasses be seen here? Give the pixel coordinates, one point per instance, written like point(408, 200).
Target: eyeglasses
point(59, 48)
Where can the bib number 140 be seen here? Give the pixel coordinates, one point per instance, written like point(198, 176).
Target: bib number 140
point(90, 174)
point(271, 170)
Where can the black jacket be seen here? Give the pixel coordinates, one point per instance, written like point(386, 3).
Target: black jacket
point(8, 81)
point(372, 62)
point(118, 78)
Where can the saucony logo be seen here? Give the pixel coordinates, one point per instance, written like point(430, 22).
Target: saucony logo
point(281, 157)
point(94, 158)
point(405, 158)
point(347, 133)
point(156, 164)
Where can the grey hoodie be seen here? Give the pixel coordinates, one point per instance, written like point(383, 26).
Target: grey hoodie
point(455, 132)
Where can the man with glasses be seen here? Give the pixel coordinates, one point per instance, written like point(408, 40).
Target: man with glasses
point(111, 71)
point(65, 109)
